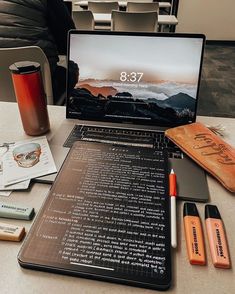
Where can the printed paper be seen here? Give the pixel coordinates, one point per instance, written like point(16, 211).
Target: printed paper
point(26, 160)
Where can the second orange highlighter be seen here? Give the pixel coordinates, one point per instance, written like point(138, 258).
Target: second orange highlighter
point(217, 238)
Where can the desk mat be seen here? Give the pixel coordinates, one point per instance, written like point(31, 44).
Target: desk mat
point(106, 217)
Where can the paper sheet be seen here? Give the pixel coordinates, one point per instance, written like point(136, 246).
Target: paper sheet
point(18, 186)
point(5, 193)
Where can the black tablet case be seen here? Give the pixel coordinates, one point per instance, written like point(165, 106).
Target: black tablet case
point(106, 217)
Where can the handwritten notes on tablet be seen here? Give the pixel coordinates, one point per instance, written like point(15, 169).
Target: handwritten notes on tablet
point(107, 214)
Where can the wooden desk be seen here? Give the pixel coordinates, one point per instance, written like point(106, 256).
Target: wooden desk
point(186, 278)
point(105, 19)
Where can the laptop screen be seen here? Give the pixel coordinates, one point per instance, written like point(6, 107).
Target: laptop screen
point(143, 78)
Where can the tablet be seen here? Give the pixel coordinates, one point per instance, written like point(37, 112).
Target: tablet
point(106, 217)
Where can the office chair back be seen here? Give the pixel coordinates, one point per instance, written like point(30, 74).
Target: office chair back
point(83, 20)
point(134, 21)
point(103, 7)
point(142, 6)
point(31, 53)
point(142, 1)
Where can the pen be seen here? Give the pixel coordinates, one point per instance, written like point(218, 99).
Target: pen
point(173, 194)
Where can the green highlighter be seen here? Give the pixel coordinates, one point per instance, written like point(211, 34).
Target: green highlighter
point(9, 210)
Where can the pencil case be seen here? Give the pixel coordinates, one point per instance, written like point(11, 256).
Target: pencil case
point(208, 150)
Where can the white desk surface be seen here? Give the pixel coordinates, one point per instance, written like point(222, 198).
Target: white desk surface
point(124, 3)
point(186, 278)
point(162, 19)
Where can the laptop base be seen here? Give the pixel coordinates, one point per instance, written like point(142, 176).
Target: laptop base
point(191, 186)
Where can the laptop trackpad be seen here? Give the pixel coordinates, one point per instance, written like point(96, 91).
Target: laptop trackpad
point(191, 179)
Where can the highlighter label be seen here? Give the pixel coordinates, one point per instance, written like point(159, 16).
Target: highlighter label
point(9, 230)
point(219, 246)
point(195, 241)
point(14, 208)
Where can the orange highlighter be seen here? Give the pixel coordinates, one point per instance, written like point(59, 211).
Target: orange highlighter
point(216, 237)
point(194, 235)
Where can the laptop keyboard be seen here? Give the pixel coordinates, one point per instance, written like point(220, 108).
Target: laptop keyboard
point(152, 139)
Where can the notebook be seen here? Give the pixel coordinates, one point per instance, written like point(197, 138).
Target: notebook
point(129, 88)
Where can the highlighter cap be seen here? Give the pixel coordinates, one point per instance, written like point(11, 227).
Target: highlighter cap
point(190, 209)
point(211, 211)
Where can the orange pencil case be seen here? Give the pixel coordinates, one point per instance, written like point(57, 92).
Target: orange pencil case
point(208, 150)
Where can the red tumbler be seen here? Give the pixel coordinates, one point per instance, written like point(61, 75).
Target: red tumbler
point(31, 98)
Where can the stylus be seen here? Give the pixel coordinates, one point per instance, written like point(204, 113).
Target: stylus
point(173, 194)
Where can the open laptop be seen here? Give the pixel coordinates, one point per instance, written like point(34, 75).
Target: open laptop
point(127, 88)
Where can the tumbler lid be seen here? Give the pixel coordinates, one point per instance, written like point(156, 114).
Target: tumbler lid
point(24, 67)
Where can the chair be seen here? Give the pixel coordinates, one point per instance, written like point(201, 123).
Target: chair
point(142, 1)
point(142, 6)
point(103, 7)
point(83, 20)
point(31, 53)
point(134, 21)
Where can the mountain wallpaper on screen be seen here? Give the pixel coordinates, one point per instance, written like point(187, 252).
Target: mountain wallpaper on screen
point(163, 102)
